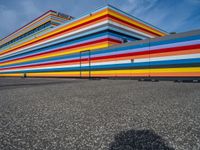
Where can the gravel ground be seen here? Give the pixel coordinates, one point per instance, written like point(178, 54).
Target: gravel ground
point(98, 114)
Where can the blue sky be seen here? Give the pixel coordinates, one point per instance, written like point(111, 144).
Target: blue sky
point(169, 15)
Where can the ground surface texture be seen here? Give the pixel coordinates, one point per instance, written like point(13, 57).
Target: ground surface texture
point(98, 114)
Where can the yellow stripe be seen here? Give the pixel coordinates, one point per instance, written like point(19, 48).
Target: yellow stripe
point(12, 75)
point(73, 24)
point(189, 69)
point(15, 44)
point(78, 22)
point(27, 30)
point(97, 46)
point(24, 39)
point(120, 71)
point(83, 20)
point(118, 15)
point(35, 22)
point(51, 73)
point(165, 70)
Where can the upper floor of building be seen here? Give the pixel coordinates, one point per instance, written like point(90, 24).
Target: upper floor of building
point(35, 28)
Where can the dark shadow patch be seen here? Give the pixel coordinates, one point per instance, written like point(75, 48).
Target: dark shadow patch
point(139, 140)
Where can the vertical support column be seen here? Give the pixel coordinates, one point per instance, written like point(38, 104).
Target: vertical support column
point(85, 64)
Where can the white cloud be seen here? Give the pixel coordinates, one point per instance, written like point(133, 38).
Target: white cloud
point(138, 6)
point(167, 15)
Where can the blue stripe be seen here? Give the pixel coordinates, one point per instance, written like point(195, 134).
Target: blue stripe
point(54, 47)
point(64, 43)
point(116, 66)
point(104, 52)
point(171, 41)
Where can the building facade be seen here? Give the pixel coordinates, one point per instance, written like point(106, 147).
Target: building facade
point(105, 43)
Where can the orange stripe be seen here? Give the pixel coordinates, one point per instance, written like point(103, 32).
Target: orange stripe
point(54, 53)
point(143, 31)
point(120, 75)
point(176, 53)
point(52, 75)
point(152, 55)
point(124, 58)
point(45, 16)
point(63, 33)
point(33, 23)
point(142, 24)
point(61, 29)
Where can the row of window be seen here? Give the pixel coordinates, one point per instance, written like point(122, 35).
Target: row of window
point(27, 34)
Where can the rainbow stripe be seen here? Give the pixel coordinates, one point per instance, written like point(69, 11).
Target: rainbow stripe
point(81, 48)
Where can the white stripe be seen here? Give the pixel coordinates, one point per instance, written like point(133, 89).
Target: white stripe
point(178, 57)
point(80, 30)
point(188, 56)
point(193, 42)
point(130, 29)
point(37, 68)
point(115, 62)
point(21, 31)
point(63, 36)
point(111, 62)
point(76, 65)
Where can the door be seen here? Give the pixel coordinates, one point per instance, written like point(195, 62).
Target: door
point(85, 64)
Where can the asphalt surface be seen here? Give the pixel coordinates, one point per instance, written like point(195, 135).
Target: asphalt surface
point(98, 114)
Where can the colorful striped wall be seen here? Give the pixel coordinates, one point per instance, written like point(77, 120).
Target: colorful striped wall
point(105, 16)
point(80, 48)
point(170, 56)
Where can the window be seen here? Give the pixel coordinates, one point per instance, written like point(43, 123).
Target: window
point(27, 34)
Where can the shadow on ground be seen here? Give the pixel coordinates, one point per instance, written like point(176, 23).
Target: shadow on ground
point(139, 140)
point(26, 83)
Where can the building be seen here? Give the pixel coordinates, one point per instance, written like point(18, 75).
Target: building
point(105, 43)
point(37, 27)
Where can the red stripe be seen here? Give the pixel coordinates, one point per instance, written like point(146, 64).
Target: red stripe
point(133, 25)
point(164, 50)
point(190, 47)
point(179, 48)
point(65, 48)
point(29, 23)
point(67, 30)
point(44, 64)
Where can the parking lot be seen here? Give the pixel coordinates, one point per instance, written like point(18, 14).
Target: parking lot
point(58, 113)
